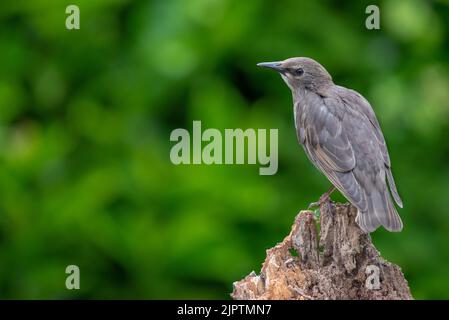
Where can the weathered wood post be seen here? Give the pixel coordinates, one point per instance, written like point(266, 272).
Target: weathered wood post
point(339, 262)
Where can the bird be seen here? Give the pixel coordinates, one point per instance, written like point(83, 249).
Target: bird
point(341, 136)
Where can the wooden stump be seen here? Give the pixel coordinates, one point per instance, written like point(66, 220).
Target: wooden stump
point(340, 263)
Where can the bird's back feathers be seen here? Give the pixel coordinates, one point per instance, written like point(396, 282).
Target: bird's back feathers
point(343, 139)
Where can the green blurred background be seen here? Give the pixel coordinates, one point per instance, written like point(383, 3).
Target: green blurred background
point(85, 119)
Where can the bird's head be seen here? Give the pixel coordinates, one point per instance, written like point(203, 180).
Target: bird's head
point(300, 73)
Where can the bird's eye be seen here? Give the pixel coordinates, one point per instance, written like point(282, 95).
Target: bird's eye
point(299, 72)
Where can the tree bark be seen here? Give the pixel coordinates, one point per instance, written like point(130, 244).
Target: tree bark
point(339, 262)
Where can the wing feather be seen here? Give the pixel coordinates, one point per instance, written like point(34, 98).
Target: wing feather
point(350, 150)
point(358, 103)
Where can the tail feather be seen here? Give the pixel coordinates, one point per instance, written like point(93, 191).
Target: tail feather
point(393, 189)
point(381, 211)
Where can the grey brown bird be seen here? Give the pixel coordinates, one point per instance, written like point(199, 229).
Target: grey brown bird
point(341, 136)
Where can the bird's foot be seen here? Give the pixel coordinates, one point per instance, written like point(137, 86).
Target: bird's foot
point(326, 197)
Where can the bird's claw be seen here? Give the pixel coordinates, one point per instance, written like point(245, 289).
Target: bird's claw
point(326, 197)
point(314, 205)
point(318, 203)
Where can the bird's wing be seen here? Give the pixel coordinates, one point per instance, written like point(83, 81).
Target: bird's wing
point(343, 144)
point(329, 148)
point(325, 133)
point(359, 104)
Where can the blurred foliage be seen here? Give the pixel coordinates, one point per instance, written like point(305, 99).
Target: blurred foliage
point(85, 119)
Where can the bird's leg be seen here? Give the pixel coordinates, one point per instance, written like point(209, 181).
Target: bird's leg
point(324, 198)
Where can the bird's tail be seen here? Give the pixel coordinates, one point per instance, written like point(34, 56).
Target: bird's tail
point(381, 211)
point(393, 189)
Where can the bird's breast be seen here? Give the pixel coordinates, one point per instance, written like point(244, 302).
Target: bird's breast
point(299, 119)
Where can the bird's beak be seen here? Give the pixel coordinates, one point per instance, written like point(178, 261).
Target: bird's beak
point(277, 65)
